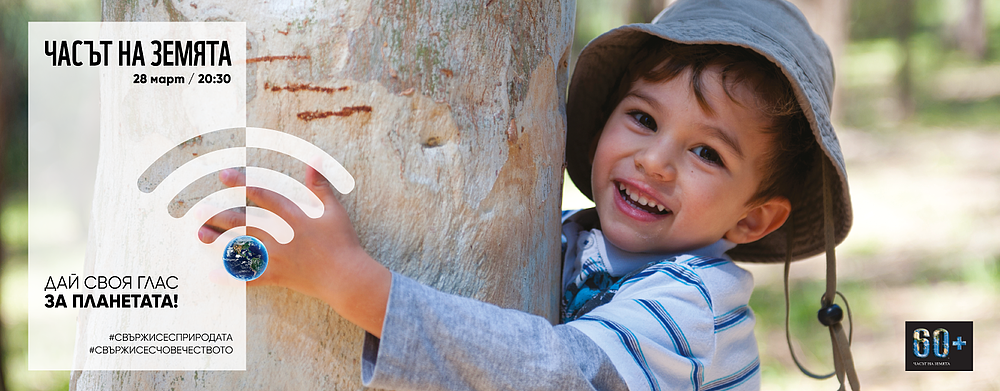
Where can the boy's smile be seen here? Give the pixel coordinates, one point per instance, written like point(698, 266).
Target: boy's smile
point(670, 176)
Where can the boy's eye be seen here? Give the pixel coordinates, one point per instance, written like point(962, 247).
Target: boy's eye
point(643, 119)
point(708, 154)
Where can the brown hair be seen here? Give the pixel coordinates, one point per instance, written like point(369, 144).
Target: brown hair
point(793, 144)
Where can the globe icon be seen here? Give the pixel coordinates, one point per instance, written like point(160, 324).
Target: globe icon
point(245, 258)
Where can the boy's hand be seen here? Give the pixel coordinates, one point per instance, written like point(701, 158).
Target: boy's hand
point(324, 259)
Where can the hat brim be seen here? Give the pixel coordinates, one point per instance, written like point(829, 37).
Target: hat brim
point(791, 45)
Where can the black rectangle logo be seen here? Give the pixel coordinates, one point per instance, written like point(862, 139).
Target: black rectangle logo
point(938, 346)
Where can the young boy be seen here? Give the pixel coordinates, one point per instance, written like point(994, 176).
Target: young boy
point(697, 135)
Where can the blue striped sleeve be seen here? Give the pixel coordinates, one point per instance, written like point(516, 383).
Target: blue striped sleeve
point(706, 262)
point(681, 345)
point(631, 344)
point(731, 381)
point(661, 329)
point(732, 318)
point(677, 272)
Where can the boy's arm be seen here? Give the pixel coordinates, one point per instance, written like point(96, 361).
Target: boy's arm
point(324, 259)
point(432, 340)
point(658, 332)
point(436, 341)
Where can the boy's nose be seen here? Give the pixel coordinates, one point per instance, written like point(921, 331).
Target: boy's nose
point(657, 161)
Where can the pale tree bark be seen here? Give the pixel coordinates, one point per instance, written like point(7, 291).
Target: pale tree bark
point(458, 158)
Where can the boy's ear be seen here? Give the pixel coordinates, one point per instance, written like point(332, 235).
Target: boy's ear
point(760, 221)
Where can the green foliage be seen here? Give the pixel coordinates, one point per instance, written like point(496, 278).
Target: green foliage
point(982, 272)
point(949, 88)
point(14, 301)
point(873, 19)
point(810, 338)
point(14, 17)
point(14, 223)
point(952, 113)
point(885, 18)
point(595, 17)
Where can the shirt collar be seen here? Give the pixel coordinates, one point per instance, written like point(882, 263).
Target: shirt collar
point(622, 262)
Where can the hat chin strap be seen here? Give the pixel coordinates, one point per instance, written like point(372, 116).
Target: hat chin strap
point(830, 315)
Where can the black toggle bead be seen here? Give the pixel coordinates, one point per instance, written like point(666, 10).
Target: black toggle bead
point(830, 315)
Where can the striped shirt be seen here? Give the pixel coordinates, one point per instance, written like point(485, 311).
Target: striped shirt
point(683, 323)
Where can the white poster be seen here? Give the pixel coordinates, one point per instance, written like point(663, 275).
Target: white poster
point(139, 291)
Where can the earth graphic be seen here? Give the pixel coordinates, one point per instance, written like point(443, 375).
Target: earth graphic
point(245, 258)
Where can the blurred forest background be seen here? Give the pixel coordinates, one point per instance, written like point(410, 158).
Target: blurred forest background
point(917, 109)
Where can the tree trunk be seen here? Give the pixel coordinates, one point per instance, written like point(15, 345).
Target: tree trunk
point(904, 77)
point(829, 19)
point(972, 30)
point(458, 162)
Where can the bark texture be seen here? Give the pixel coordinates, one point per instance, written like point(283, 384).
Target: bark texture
point(450, 117)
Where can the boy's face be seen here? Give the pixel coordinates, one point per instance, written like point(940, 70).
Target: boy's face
point(694, 171)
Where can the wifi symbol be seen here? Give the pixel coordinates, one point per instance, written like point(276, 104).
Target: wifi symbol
point(261, 154)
